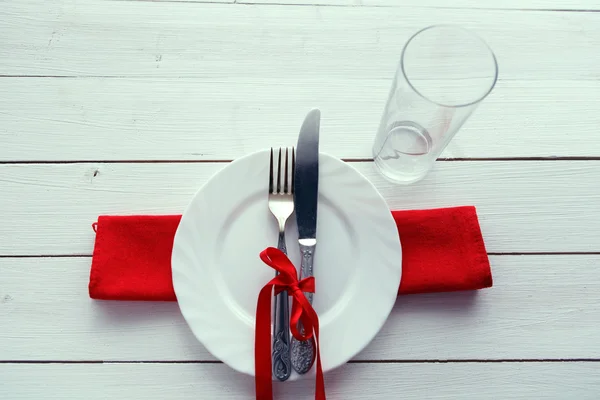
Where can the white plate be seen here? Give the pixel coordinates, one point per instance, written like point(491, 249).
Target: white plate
point(217, 272)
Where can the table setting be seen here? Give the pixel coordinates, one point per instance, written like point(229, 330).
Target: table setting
point(336, 200)
point(326, 297)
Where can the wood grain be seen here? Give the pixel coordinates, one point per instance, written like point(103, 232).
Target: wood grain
point(287, 43)
point(523, 207)
point(204, 119)
point(586, 5)
point(540, 307)
point(552, 5)
point(364, 382)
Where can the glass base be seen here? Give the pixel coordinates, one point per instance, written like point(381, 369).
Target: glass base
point(395, 177)
point(404, 156)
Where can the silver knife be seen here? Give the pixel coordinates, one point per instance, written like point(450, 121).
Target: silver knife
point(306, 193)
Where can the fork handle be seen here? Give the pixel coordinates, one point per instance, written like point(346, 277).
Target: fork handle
point(282, 367)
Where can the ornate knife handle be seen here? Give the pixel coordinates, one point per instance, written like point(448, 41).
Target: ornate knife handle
point(303, 352)
point(282, 368)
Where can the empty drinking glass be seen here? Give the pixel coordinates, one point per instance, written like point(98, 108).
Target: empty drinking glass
point(444, 73)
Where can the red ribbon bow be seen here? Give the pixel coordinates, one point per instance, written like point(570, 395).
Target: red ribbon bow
point(301, 311)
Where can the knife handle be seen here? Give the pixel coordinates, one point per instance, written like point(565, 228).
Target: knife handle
point(303, 352)
point(307, 251)
point(282, 368)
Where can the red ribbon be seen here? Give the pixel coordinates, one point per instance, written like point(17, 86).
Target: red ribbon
point(301, 311)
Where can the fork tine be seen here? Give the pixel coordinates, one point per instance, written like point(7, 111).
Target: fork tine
point(293, 169)
point(285, 180)
point(279, 172)
point(271, 173)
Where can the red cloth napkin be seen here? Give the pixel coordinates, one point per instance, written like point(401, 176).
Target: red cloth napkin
point(442, 251)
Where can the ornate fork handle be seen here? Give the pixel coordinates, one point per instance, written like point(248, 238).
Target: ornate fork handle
point(282, 367)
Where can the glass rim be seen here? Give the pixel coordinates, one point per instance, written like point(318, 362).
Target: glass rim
point(469, 32)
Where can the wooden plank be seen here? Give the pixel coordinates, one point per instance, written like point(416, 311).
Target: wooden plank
point(534, 206)
point(183, 1)
point(574, 5)
point(543, 381)
point(173, 119)
point(551, 5)
point(541, 307)
point(223, 41)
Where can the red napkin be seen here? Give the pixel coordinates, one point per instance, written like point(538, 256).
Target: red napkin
point(442, 251)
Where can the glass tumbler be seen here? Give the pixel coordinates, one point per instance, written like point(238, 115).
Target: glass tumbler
point(445, 71)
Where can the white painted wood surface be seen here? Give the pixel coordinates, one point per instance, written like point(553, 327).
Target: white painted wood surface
point(102, 81)
point(207, 119)
point(532, 206)
point(530, 313)
point(352, 382)
point(286, 43)
point(551, 5)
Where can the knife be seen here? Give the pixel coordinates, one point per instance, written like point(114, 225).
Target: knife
point(306, 192)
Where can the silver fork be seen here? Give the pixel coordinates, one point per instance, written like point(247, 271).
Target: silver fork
point(281, 204)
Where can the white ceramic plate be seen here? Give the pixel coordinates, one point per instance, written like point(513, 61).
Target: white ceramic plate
point(217, 272)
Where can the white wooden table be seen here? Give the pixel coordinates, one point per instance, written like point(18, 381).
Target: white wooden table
point(126, 107)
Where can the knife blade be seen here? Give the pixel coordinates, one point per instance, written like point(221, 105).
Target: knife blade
point(306, 193)
point(306, 177)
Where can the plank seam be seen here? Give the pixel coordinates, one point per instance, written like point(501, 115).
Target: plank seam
point(46, 256)
point(353, 160)
point(433, 361)
point(316, 4)
point(536, 253)
point(533, 253)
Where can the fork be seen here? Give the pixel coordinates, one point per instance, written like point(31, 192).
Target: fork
point(281, 204)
